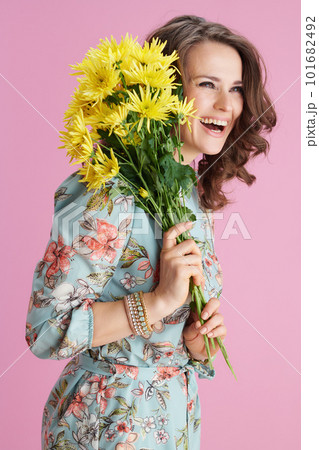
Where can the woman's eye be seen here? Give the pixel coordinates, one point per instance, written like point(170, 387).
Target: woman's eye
point(238, 89)
point(208, 84)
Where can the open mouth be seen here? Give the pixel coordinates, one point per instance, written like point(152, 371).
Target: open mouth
point(214, 125)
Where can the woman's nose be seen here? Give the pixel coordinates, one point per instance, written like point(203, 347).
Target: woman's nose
point(223, 101)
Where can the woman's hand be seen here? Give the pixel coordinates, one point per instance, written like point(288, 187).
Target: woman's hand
point(178, 263)
point(193, 331)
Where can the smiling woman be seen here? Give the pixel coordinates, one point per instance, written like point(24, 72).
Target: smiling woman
point(227, 76)
point(131, 381)
point(212, 76)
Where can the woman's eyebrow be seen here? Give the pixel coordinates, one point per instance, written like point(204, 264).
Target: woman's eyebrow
point(216, 79)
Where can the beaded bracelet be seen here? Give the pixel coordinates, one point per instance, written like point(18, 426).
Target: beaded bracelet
point(139, 297)
point(190, 357)
point(137, 314)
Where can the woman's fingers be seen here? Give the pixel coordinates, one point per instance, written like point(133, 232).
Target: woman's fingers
point(169, 237)
point(216, 320)
point(210, 308)
point(213, 320)
point(220, 331)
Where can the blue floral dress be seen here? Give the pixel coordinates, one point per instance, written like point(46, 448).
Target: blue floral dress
point(134, 393)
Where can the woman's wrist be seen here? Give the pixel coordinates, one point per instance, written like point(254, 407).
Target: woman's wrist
point(155, 307)
point(197, 357)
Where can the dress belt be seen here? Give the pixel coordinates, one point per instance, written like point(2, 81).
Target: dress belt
point(111, 370)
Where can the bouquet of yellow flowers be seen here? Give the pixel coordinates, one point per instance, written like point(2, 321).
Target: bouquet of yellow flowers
point(124, 121)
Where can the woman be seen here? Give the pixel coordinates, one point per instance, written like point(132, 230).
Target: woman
point(122, 390)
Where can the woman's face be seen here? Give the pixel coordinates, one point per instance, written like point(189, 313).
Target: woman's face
point(213, 76)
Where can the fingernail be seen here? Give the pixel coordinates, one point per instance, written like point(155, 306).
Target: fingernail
point(197, 325)
point(203, 330)
point(204, 315)
point(189, 224)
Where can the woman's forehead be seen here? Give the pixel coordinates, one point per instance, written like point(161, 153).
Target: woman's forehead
point(213, 59)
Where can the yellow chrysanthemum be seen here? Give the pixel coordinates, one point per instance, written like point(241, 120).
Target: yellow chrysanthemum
point(150, 105)
point(78, 102)
point(108, 167)
point(184, 110)
point(150, 74)
point(77, 140)
point(96, 175)
point(99, 78)
point(121, 53)
point(91, 176)
point(152, 53)
point(143, 193)
point(132, 139)
point(99, 115)
point(114, 121)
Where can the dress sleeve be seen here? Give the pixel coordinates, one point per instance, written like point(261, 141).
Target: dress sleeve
point(202, 369)
point(88, 236)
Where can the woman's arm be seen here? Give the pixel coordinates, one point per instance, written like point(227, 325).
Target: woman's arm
point(85, 247)
point(111, 322)
point(66, 314)
point(177, 264)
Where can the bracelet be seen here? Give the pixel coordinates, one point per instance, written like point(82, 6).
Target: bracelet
point(205, 362)
point(140, 296)
point(128, 314)
point(137, 314)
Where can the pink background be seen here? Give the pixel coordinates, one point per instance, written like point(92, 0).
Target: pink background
point(261, 295)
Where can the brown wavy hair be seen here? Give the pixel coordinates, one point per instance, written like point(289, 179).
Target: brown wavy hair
point(258, 117)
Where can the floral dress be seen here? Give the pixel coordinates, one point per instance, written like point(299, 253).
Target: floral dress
point(134, 393)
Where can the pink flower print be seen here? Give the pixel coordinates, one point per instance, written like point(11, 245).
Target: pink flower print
point(122, 427)
point(47, 436)
point(58, 255)
point(213, 257)
point(208, 262)
point(78, 408)
point(190, 405)
point(165, 373)
point(129, 281)
point(131, 371)
point(184, 388)
point(148, 423)
point(110, 435)
point(219, 275)
point(103, 246)
point(102, 393)
point(162, 420)
point(161, 436)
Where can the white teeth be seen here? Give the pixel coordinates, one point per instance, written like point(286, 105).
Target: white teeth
point(215, 122)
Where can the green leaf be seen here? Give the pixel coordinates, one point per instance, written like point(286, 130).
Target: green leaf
point(138, 420)
point(101, 278)
point(118, 412)
point(118, 384)
point(129, 255)
point(127, 345)
point(133, 243)
point(65, 445)
point(110, 206)
point(139, 281)
point(113, 347)
point(60, 436)
point(196, 424)
point(128, 263)
point(175, 173)
point(121, 401)
point(180, 440)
